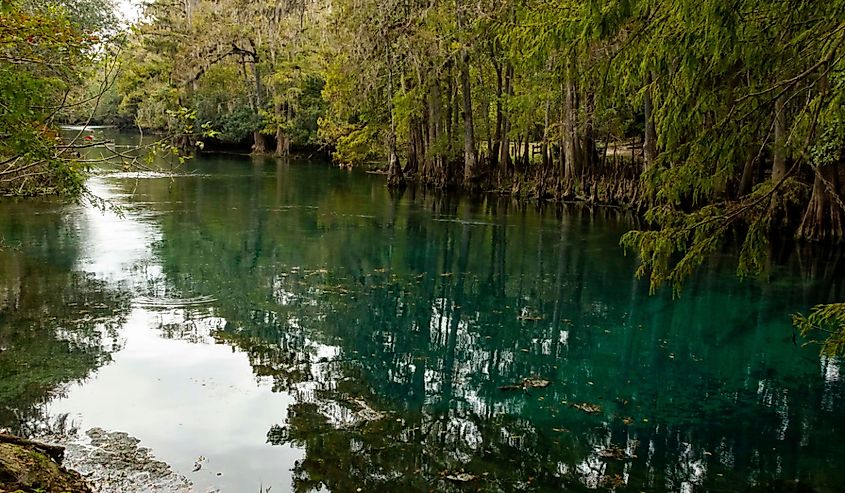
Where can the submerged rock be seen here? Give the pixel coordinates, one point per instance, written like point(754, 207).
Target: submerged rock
point(28, 466)
point(587, 407)
point(528, 383)
point(113, 462)
point(535, 383)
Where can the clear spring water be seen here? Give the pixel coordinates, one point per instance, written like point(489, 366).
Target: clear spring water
point(301, 328)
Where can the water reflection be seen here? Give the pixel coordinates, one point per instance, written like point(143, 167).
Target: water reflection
point(302, 328)
point(57, 324)
point(393, 323)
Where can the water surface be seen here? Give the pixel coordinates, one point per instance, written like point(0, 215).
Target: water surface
point(301, 328)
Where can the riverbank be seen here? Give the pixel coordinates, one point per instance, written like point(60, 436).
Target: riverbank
point(98, 460)
point(32, 466)
point(115, 462)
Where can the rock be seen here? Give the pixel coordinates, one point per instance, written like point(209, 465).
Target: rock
point(587, 407)
point(26, 467)
point(113, 462)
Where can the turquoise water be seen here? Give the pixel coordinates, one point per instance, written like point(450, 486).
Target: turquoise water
point(301, 328)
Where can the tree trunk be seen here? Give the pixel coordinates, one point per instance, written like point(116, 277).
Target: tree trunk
point(570, 129)
point(504, 146)
point(282, 140)
point(497, 136)
point(436, 171)
point(589, 154)
point(415, 151)
point(526, 154)
point(483, 156)
point(259, 142)
point(259, 145)
point(748, 171)
point(779, 146)
point(544, 148)
point(650, 142)
point(470, 157)
point(824, 218)
point(562, 150)
point(395, 177)
point(450, 104)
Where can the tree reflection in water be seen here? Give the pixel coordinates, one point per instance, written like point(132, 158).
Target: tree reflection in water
point(57, 324)
point(395, 321)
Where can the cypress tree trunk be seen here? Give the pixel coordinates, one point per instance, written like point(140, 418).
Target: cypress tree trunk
point(259, 142)
point(650, 141)
point(448, 113)
point(570, 130)
point(748, 171)
point(589, 157)
point(526, 154)
point(470, 157)
point(544, 149)
point(562, 184)
point(504, 146)
point(824, 218)
point(483, 157)
point(436, 171)
point(282, 140)
point(259, 145)
point(497, 136)
point(415, 152)
point(779, 147)
point(395, 177)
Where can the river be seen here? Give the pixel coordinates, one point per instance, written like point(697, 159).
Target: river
point(295, 327)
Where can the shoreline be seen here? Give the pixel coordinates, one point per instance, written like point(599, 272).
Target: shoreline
point(116, 462)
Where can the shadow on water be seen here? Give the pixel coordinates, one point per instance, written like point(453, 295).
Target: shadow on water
point(395, 321)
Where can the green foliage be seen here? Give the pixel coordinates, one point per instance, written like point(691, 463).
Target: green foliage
point(825, 325)
point(355, 145)
point(239, 69)
point(42, 54)
point(727, 92)
point(87, 16)
point(829, 148)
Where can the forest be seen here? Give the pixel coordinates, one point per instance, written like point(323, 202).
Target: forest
point(423, 245)
point(719, 122)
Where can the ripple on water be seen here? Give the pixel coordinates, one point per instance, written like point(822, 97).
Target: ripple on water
point(168, 303)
